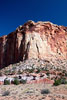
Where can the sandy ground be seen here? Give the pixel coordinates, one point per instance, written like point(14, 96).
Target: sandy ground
point(33, 92)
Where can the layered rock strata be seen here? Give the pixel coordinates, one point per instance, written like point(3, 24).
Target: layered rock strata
point(33, 40)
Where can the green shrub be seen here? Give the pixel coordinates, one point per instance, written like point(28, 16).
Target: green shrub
point(6, 93)
point(46, 69)
point(23, 81)
point(16, 81)
point(19, 72)
point(13, 72)
point(6, 72)
point(64, 71)
point(63, 81)
point(66, 74)
point(47, 73)
point(60, 81)
point(57, 82)
point(30, 70)
point(45, 91)
point(38, 70)
point(66, 82)
point(6, 82)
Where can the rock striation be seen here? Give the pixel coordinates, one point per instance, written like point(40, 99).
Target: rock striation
point(33, 40)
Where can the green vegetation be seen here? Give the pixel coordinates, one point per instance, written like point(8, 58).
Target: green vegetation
point(16, 81)
point(23, 81)
point(46, 69)
point(57, 82)
point(63, 81)
point(47, 73)
point(31, 70)
point(6, 93)
point(19, 71)
point(13, 72)
point(64, 71)
point(6, 82)
point(38, 70)
point(6, 72)
point(60, 81)
point(45, 91)
point(66, 74)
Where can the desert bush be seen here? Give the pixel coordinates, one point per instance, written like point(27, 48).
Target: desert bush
point(63, 81)
point(66, 74)
point(6, 93)
point(30, 70)
point(45, 91)
point(6, 82)
point(57, 82)
point(64, 71)
point(23, 81)
point(16, 81)
point(46, 69)
point(13, 72)
point(6, 72)
point(19, 72)
point(43, 69)
point(47, 73)
point(60, 81)
point(38, 70)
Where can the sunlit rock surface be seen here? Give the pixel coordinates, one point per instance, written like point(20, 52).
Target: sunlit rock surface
point(42, 40)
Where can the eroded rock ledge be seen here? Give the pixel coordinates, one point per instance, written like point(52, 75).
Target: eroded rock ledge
point(33, 40)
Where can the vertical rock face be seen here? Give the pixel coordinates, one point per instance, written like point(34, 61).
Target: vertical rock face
point(33, 40)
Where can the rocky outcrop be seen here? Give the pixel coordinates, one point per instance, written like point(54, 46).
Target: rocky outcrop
point(33, 40)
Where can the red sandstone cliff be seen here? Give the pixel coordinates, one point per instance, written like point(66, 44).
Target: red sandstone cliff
point(33, 40)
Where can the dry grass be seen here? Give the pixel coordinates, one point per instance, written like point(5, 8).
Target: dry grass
point(33, 92)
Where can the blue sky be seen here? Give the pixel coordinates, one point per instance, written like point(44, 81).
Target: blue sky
point(16, 12)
